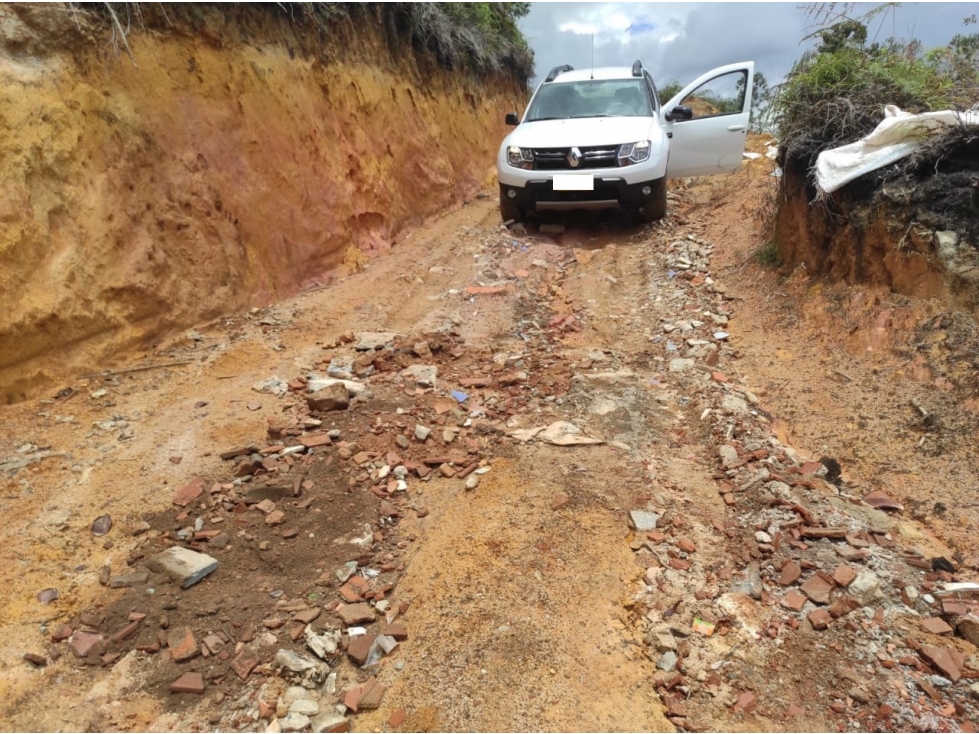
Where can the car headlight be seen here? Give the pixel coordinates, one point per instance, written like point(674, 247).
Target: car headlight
point(633, 153)
point(520, 157)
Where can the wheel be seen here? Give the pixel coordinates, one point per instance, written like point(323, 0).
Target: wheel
point(509, 210)
point(655, 209)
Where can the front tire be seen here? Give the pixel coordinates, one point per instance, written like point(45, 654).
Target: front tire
point(655, 209)
point(509, 210)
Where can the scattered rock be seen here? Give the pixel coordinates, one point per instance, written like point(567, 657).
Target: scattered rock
point(46, 596)
point(422, 433)
point(128, 580)
point(183, 645)
point(329, 721)
point(968, 627)
point(189, 682)
point(791, 572)
point(373, 692)
point(794, 601)
point(352, 614)
point(667, 661)
point(643, 520)
point(34, 659)
point(817, 589)
point(189, 492)
point(102, 525)
point(331, 397)
point(83, 642)
point(820, 619)
point(185, 567)
point(371, 340)
point(844, 575)
point(945, 660)
point(304, 706)
point(293, 722)
point(865, 588)
point(936, 626)
point(424, 375)
point(273, 386)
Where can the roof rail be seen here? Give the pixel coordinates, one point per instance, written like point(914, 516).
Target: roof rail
point(557, 70)
point(637, 68)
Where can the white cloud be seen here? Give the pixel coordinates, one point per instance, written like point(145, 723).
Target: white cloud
point(678, 40)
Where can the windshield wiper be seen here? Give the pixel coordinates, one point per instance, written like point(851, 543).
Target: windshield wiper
point(541, 119)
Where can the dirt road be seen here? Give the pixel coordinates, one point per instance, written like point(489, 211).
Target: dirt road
point(686, 562)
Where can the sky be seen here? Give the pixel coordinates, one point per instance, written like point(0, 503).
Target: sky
point(679, 41)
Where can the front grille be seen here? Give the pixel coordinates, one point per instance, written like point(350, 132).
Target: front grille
point(556, 159)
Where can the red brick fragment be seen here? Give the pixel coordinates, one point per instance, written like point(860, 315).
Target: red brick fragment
point(189, 682)
point(790, 573)
point(183, 646)
point(794, 601)
point(936, 625)
point(189, 492)
point(820, 619)
point(746, 702)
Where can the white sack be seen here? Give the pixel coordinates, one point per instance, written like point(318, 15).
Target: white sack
point(897, 136)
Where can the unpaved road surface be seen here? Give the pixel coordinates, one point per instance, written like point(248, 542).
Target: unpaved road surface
point(696, 550)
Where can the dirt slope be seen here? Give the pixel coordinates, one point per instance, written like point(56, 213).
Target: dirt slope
point(221, 173)
point(529, 601)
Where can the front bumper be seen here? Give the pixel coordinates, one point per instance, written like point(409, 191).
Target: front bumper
point(610, 192)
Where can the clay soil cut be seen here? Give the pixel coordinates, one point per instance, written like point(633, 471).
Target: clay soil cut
point(629, 496)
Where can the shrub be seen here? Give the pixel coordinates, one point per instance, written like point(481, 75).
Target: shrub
point(836, 92)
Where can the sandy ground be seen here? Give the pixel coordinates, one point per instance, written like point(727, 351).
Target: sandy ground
point(530, 601)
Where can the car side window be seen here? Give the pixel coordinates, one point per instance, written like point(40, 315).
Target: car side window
point(722, 95)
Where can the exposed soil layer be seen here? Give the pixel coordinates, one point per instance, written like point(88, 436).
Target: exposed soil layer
point(912, 227)
point(230, 168)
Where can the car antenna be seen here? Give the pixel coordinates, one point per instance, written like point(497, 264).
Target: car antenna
point(592, 55)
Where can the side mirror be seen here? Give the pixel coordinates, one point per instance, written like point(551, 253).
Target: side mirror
point(511, 119)
point(679, 113)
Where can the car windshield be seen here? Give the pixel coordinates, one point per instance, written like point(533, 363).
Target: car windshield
point(591, 98)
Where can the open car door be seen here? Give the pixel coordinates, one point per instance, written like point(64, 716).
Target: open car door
point(708, 121)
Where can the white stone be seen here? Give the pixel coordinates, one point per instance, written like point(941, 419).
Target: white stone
point(425, 375)
point(681, 365)
point(184, 566)
point(304, 706)
point(422, 433)
point(472, 481)
point(367, 340)
point(865, 588)
point(295, 693)
point(642, 520)
point(762, 537)
point(728, 454)
point(294, 722)
point(735, 405)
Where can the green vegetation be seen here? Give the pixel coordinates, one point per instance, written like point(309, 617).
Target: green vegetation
point(767, 254)
point(482, 37)
point(476, 38)
point(836, 92)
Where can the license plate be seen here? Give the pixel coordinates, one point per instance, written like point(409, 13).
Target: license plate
point(574, 182)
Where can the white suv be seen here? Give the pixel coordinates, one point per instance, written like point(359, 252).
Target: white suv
point(599, 138)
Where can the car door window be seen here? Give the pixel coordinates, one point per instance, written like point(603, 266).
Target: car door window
point(722, 95)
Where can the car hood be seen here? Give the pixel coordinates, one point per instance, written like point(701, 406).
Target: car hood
point(583, 131)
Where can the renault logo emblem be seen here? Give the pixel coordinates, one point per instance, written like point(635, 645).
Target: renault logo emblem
point(574, 157)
